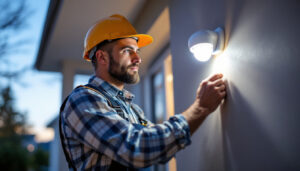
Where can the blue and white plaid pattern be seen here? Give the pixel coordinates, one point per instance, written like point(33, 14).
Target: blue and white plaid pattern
point(95, 134)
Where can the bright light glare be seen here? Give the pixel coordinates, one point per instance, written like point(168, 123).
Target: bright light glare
point(221, 64)
point(202, 51)
point(170, 77)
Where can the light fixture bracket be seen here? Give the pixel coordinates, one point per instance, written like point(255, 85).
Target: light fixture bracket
point(219, 45)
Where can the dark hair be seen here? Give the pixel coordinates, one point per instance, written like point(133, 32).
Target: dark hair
point(100, 46)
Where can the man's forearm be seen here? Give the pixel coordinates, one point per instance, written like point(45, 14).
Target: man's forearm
point(195, 115)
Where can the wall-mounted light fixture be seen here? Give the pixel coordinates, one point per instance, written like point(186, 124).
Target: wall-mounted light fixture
point(205, 43)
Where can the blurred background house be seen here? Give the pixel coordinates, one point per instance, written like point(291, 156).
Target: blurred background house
point(256, 128)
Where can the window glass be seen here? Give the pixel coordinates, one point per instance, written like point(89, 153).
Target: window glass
point(159, 97)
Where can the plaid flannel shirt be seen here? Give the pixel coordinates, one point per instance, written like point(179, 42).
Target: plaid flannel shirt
point(94, 134)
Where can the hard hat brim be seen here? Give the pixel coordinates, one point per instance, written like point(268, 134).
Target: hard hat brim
point(143, 39)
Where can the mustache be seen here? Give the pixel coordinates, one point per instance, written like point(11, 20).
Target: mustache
point(134, 65)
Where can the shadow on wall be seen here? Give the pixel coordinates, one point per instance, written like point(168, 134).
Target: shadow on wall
point(247, 145)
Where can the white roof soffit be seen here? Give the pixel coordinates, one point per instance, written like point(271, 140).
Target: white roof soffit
point(68, 21)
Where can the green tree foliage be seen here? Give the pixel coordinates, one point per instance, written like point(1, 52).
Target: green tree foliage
point(11, 121)
point(40, 160)
point(12, 155)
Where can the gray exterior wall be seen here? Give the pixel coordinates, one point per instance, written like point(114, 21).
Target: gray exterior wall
point(258, 126)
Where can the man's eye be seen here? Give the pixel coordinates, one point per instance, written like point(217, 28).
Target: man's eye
point(127, 51)
point(130, 51)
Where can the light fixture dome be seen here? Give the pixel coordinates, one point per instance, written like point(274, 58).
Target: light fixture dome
point(205, 43)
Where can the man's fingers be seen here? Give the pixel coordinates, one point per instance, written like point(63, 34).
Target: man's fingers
point(215, 77)
point(222, 94)
point(221, 88)
point(218, 82)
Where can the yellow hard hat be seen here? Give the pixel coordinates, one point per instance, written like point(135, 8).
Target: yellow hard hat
point(113, 27)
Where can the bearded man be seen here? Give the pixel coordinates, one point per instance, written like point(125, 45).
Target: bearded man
point(102, 129)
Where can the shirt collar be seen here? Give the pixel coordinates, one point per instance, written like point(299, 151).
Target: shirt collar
point(112, 90)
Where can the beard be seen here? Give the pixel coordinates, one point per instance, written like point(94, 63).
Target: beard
point(120, 72)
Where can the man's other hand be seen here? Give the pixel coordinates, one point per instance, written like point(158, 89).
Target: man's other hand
point(211, 92)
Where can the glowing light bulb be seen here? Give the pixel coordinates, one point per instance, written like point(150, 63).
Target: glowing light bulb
point(202, 51)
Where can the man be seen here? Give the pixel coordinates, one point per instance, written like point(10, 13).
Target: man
point(102, 129)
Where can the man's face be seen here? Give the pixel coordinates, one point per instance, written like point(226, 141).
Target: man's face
point(124, 61)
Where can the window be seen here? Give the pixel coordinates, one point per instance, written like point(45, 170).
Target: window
point(80, 80)
point(158, 90)
point(158, 97)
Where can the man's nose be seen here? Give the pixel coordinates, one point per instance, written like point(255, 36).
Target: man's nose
point(136, 58)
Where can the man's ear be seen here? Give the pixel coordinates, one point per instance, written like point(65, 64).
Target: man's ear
point(102, 57)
